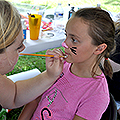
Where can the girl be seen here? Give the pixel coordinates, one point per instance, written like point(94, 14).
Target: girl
point(81, 92)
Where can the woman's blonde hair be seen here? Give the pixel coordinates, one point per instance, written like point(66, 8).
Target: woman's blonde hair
point(10, 24)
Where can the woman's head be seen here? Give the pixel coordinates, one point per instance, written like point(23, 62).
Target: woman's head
point(100, 29)
point(11, 37)
point(10, 24)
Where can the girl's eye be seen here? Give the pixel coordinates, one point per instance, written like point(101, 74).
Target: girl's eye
point(20, 47)
point(74, 40)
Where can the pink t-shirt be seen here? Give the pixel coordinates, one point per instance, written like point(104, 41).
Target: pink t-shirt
point(70, 95)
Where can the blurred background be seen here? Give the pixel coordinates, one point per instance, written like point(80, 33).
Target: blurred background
point(110, 5)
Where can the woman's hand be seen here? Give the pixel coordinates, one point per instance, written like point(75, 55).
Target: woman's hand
point(54, 65)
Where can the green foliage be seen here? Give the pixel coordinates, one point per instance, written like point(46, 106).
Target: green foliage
point(26, 1)
point(13, 114)
point(110, 5)
point(3, 114)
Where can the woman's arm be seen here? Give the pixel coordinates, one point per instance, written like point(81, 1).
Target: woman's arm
point(29, 109)
point(17, 94)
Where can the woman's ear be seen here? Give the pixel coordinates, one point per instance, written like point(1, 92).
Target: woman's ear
point(100, 49)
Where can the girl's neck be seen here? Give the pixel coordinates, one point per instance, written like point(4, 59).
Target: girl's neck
point(83, 70)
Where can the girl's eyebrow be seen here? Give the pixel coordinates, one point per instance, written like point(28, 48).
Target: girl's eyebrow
point(73, 35)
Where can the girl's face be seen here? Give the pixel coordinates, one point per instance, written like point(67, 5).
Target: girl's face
point(9, 58)
point(79, 43)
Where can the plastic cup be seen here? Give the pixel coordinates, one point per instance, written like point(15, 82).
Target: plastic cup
point(34, 25)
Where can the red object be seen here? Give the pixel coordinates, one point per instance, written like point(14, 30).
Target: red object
point(46, 25)
point(106, 58)
point(9, 110)
point(23, 16)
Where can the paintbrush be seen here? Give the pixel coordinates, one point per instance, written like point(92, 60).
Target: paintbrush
point(40, 55)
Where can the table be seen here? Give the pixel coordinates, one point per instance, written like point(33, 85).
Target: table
point(44, 43)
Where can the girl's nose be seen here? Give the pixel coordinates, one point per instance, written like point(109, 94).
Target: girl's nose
point(64, 45)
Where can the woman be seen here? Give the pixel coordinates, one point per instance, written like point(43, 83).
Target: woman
point(14, 95)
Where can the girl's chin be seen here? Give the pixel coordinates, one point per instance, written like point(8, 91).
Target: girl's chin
point(67, 60)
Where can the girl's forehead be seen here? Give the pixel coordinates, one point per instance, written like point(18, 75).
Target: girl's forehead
point(76, 22)
point(77, 25)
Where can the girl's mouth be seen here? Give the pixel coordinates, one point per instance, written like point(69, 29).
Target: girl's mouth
point(66, 54)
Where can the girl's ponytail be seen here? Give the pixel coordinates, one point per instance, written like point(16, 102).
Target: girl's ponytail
point(108, 68)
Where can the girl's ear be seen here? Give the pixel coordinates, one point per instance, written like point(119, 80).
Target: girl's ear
point(100, 49)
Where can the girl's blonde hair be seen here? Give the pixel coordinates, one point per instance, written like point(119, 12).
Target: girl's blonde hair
point(101, 30)
point(10, 24)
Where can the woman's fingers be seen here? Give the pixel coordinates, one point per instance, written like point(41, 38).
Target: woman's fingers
point(54, 64)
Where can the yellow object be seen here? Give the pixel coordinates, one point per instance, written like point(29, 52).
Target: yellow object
point(34, 25)
point(40, 55)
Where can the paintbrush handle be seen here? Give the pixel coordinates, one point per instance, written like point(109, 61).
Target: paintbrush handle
point(38, 55)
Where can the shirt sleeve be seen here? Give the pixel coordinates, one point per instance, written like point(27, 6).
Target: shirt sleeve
point(93, 107)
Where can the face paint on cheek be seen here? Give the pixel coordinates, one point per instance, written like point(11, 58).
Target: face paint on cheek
point(73, 50)
point(64, 45)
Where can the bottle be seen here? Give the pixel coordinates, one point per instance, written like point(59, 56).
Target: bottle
point(71, 12)
point(58, 14)
point(24, 27)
